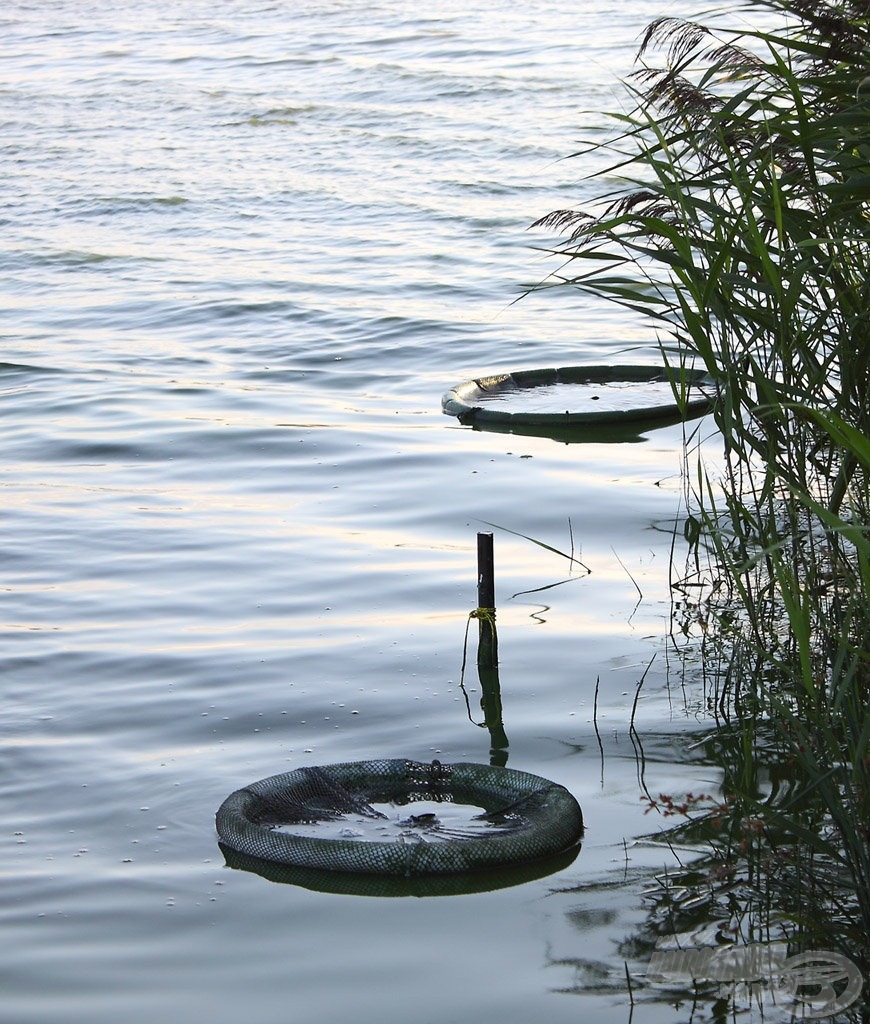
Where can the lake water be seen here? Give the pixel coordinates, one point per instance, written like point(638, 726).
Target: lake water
point(622, 397)
point(245, 249)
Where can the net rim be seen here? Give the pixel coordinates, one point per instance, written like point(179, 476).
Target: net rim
point(552, 827)
point(462, 401)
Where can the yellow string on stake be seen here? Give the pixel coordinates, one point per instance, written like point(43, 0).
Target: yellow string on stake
point(483, 615)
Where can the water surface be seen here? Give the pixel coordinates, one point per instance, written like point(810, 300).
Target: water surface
point(246, 248)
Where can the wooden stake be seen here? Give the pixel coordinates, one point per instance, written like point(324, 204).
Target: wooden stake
point(485, 572)
point(487, 648)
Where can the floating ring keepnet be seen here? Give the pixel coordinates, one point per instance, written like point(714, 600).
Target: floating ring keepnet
point(524, 817)
point(476, 401)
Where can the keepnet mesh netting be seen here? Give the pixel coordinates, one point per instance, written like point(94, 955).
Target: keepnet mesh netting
point(523, 818)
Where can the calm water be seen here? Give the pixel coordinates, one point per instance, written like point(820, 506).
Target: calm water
point(621, 397)
point(245, 249)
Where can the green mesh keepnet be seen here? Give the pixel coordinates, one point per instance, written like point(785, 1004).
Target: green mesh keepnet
point(524, 818)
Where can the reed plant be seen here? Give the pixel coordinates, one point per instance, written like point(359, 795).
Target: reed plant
point(740, 228)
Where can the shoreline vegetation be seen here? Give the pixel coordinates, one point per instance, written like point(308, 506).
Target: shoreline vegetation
point(740, 229)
